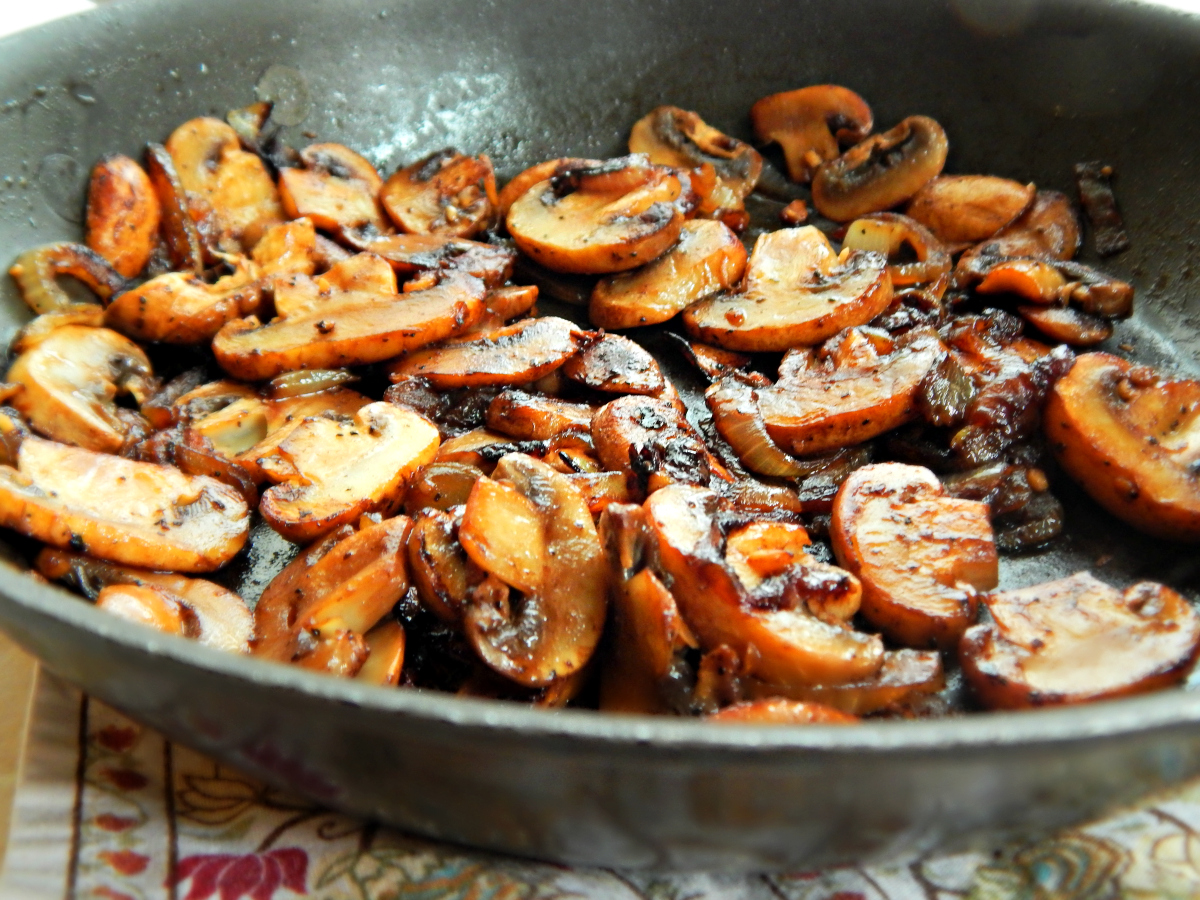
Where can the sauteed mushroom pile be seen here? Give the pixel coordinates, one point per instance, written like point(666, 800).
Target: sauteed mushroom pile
point(480, 499)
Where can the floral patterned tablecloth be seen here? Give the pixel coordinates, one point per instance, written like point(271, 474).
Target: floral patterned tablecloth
point(110, 810)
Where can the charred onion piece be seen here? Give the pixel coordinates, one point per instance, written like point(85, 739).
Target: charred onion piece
point(337, 189)
point(70, 382)
point(651, 441)
point(894, 235)
point(129, 512)
point(36, 273)
point(734, 405)
point(809, 123)
point(921, 554)
point(708, 257)
point(1129, 436)
point(882, 171)
point(444, 193)
point(1077, 639)
point(797, 292)
point(122, 214)
point(967, 209)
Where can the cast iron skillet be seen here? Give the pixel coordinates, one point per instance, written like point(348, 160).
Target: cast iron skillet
point(1024, 90)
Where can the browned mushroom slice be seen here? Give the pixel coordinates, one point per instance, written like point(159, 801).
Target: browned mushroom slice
point(70, 382)
point(832, 404)
point(670, 136)
point(967, 209)
point(366, 272)
point(529, 417)
point(180, 308)
point(1048, 229)
point(897, 237)
point(1129, 436)
point(526, 179)
point(503, 533)
point(349, 329)
point(922, 555)
point(440, 485)
point(707, 258)
point(232, 196)
point(332, 469)
point(616, 365)
point(444, 193)
point(600, 219)
point(184, 247)
point(550, 631)
point(651, 441)
point(41, 327)
point(122, 214)
point(36, 273)
point(386, 644)
point(881, 172)
point(192, 607)
point(778, 711)
point(410, 254)
point(803, 123)
point(440, 568)
point(713, 362)
point(289, 248)
point(337, 189)
point(1067, 325)
point(348, 582)
point(1077, 639)
point(1050, 282)
point(511, 301)
point(514, 354)
point(798, 291)
point(483, 448)
point(600, 489)
point(778, 639)
point(130, 512)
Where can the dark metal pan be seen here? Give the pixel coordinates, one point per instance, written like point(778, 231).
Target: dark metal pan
point(1024, 89)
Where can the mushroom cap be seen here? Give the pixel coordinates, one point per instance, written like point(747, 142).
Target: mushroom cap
point(810, 122)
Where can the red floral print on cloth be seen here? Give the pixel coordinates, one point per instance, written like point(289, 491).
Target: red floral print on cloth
point(116, 738)
point(257, 876)
point(126, 861)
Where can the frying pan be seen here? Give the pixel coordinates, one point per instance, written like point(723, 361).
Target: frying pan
point(1024, 89)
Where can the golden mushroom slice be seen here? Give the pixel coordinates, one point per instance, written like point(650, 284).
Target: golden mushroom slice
point(333, 468)
point(1067, 325)
point(707, 258)
point(69, 385)
point(651, 441)
point(774, 632)
point(337, 189)
point(810, 123)
point(123, 213)
point(967, 209)
point(923, 556)
point(181, 308)
point(1132, 439)
point(37, 271)
point(440, 485)
point(593, 220)
point(616, 365)
point(882, 171)
point(441, 570)
point(798, 291)
point(135, 513)
point(444, 193)
point(289, 248)
point(1078, 639)
point(1048, 230)
point(412, 254)
point(513, 354)
point(386, 643)
point(349, 329)
point(548, 632)
point(231, 195)
point(778, 711)
point(192, 607)
point(670, 136)
point(845, 396)
point(347, 583)
point(533, 417)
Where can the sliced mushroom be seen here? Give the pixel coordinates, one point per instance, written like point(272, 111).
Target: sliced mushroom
point(41, 327)
point(232, 196)
point(809, 123)
point(441, 570)
point(708, 257)
point(1048, 281)
point(882, 171)
point(670, 136)
point(600, 219)
point(1076, 640)
point(839, 401)
point(897, 237)
point(185, 250)
point(797, 292)
point(922, 554)
point(129, 512)
point(122, 214)
point(779, 641)
point(332, 469)
point(1131, 438)
point(651, 441)
point(337, 189)
point(346, 583)
point(523, 181)
point(444, 193)
point(386, 644)
point(1048, 229)
point(967, 209)
point(179, 308)
point(441, 485)
point(778, 711)
point(616, 365)
point(483, 448)
point(36, 273)
point(349, 329)
point(289, 248)
point(551, 630)
point(1067, 325)
point(531, 417)
point(514, 354)
point(713, 362)
point(70, 382)
point(411, 254)
point(192, 607)
point(364, 272)
point(503, 533)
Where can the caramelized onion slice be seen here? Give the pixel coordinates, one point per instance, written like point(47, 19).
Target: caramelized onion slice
point(36, 273)
point(892, 235)
point(123, 213)
point(734, 405)
point(184, 246)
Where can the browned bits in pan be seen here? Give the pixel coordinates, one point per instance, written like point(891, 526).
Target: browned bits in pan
point(1095, 192)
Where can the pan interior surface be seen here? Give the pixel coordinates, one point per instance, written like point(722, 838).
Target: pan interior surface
point(1024, 90)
